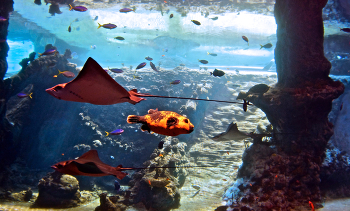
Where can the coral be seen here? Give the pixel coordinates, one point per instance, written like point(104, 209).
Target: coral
point(58, 190)
point(23, 196)
point(158, 188)
point(24, 62)
point(67, 54)
point(110, 203)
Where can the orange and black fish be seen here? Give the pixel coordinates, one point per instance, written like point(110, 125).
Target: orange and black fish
point(166, 123)
point(171, 15)
point(245, 39)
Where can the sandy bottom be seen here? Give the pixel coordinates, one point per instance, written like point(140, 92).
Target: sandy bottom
point(201, 201)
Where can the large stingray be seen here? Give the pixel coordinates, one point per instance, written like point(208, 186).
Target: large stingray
point(93, 85)
point(232, 133)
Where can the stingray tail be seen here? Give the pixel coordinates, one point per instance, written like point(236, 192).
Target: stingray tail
point(118, 172)
point(133, 119)
point(134, 98)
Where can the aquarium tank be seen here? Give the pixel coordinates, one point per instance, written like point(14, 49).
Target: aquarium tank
point(174, 105)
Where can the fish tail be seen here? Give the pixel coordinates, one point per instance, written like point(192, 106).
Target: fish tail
point(107, 133)
point(211, 73)
point(70, 7)
point(30, 95)
point(40, 54)
point(208, 53)
point(260, 47)
point(132, 119)
point(59, 72)
point(99, 25)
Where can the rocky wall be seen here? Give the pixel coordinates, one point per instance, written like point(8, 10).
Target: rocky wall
point(284, 173)
point(6, 7)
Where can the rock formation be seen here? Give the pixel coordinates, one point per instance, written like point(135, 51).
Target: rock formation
point(58, 190)
point(285, 172)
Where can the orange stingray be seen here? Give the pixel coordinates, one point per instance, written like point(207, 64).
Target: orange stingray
point(94, 85)
point(89, 164)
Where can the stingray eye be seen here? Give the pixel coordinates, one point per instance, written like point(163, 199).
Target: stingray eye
point(186, 120)
point(58, 88)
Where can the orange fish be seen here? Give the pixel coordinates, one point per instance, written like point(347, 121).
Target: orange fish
point(166, 123)
point(149, 182)
point(165, 2)
point(62, 154)
point(163, 55)
point(167, 179)
point(228, 153)
point(312, 206)
point(160, 155)
point(224, 179)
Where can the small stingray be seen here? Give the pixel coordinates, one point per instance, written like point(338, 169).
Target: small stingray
point(232, 133)
point(89, 164)
point(93, 85)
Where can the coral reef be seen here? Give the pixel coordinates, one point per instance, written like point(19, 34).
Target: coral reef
point(58, 190)
point(110, 203)
point(158, 188)
point(286, 174)
point(24, 62)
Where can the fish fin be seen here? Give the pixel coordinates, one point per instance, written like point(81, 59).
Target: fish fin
point(107, 133)
point(152, 111)
point(132, 119)
point(208, 53)
point(30, 95)
point(145, 128)
point(211, 73)
point(70, 7)
point(90, 155)
point(134, 98)
point(59, 72)
point(119, 174)
point(260, 47)
point(40, 54)
point(99, 25)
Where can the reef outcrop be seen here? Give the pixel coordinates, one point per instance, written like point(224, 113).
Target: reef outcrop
point(284, 173)
point(58, 190)
point(158, 188)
